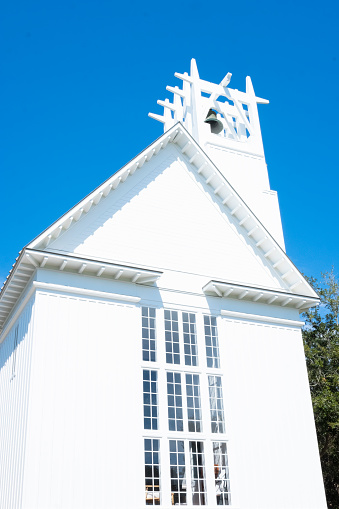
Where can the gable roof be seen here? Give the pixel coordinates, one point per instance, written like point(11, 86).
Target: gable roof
point(36, 253)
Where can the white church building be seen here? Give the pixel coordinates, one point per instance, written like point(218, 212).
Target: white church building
point(150, 347)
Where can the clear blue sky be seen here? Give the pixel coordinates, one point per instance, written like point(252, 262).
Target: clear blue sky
point(78, 79)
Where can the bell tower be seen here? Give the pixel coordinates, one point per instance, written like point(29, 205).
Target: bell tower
point(225, 123)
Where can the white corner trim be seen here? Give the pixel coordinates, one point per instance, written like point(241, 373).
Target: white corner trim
point(258, 318)
point(84, 291)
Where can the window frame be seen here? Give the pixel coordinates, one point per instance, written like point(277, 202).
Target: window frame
point(149, 354)
point(154, 420)
point(151, 453)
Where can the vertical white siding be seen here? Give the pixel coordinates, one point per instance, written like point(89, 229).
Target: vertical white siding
point(14, 397)
point(85, 424)
point(79, 442)
point(273, 447)
point(84, 446)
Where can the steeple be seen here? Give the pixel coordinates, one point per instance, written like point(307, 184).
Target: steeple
point(237, 147)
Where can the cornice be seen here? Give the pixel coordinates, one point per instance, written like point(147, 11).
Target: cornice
point(270, 296)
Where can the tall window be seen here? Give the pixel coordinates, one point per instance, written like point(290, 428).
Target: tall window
point(221, 473)
point(174, 399)
point(212, 343)
point(188, 486)
point(152, 472)
point(178, 473)
point(190, 339)
point(216, 404)
point(193, 402)
point(148, 335)
point(150, 387)
point(198, 477)
point(172, 337)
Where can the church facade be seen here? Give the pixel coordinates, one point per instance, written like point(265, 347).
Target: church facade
point(150, 347)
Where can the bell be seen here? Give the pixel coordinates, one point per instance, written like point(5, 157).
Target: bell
point(215, 124)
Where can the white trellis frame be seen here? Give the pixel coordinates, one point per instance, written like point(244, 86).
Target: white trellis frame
point(236, 110)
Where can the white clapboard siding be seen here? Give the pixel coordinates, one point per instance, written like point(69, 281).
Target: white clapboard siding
point(169, 219)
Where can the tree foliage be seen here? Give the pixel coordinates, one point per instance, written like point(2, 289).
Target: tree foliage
point(321, 343)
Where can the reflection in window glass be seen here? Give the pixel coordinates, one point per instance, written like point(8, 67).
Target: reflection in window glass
point(178, 473)
point(198, 477)
point(148, 335)
point(174, 399)
point(221, 473)
point(152, 472)
point(172, 337)
point(190, 339)
point(212, 343)
point(193, 402)
point(150, 387)
point(216, 404)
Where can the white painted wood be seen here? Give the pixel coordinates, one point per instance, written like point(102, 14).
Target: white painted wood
point(257, 318)
point(74, 419)
point(82, 291)
point(270, 421)
point(237, 150)
point(86, 381)
point(151, 212)
point(15, 373)
point(163, 232)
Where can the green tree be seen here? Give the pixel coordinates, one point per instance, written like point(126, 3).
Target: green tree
point(321, 343)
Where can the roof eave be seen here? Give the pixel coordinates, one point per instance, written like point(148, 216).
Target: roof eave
point(260, 295)
point(30, 260)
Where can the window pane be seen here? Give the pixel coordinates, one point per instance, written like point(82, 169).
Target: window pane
point(193, 403)
point(190, 339)
point(150, 381)
point(152, 472)
point(175, 420)
point(216, 404)
point(148, 335)
point(211, 341)
point(172, 337)
point(198, 477)
point(221, 474)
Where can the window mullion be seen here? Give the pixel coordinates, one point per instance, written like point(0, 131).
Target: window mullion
point(205, 406)
point(162, 401)
point(166, 473)
point(210, 482)
point(160, 332)
point(184, 401)
point(188, 473)
point(181, 341)
point(201, 341)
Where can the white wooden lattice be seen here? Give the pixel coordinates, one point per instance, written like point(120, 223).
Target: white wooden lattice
point(236, 110)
